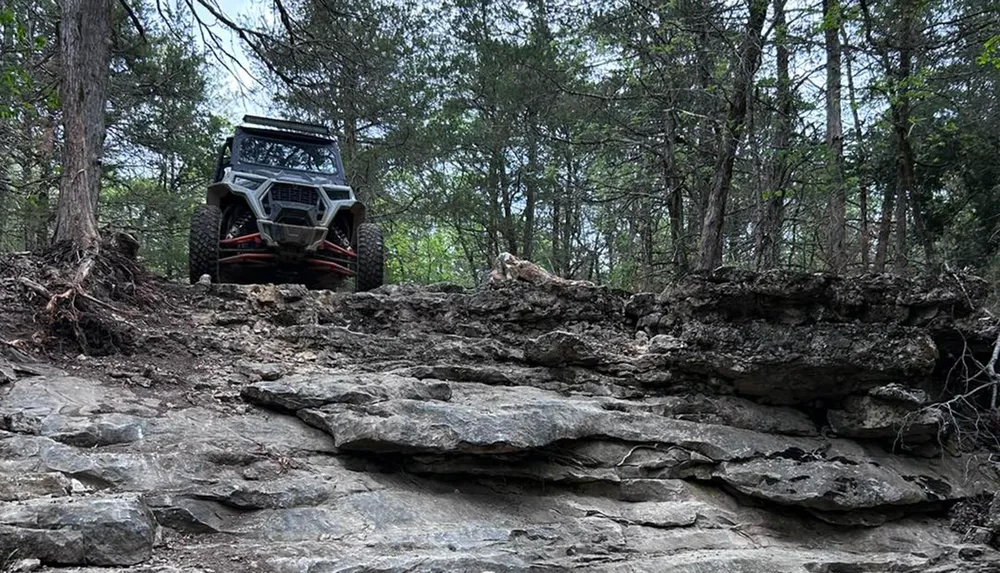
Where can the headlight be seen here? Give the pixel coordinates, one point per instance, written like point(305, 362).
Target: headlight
point(247, 182)
point(338, 194)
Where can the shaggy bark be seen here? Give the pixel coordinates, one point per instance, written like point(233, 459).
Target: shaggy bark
point(85, 44)
point(837, 206)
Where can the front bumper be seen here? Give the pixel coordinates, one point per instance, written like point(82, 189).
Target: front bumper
point(289, 211)
point(278, 234)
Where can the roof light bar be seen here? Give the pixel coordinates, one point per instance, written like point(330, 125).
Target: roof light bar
point(288, 125)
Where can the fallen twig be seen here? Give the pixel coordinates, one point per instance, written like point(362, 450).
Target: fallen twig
point(97, 301)
point(32, 285)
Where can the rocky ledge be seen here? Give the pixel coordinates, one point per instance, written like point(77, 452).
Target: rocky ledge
point(734, 423)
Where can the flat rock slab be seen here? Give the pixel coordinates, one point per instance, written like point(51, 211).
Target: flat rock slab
point(792, 365)
point(488, 426)
point(791, 297)
point(835, 485)
point(506, 306)
point(560, 348)
point(71, 410)
point(296, 392)
point(41, 396)
point(731, 411)
point(18, 486)
point(493, 427)
point(92, 531)
point(772, 561)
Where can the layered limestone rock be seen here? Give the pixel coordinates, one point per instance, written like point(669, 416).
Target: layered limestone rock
point(752, 423)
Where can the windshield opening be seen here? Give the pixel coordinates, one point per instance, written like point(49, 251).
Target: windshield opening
point(289, 155)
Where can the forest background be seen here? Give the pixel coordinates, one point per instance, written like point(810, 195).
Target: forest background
point(622, 141)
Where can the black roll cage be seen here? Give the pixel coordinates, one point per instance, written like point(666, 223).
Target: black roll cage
point(281, 130)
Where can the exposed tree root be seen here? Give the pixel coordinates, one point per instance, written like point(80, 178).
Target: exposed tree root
point(972, 412)
point(91, 298)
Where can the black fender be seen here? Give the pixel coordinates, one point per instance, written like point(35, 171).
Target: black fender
point(217, 193)
point(358, 213)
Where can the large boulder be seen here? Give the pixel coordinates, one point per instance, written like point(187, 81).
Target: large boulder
point(94, 531)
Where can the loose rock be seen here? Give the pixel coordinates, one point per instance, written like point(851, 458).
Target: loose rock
point(97, 531)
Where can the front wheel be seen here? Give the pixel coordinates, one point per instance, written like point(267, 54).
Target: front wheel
point(371, 258)
point(203, 243)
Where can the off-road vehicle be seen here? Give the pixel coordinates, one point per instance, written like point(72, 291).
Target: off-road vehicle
point(280, 210)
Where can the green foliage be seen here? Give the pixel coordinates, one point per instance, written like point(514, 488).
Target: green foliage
point(162, 147)
point(17, 49)
point(587, 134)
point(991, 53)
point(424, 256)
point(161, 132)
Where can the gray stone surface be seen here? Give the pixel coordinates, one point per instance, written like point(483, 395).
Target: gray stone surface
point(299, 392)
point(900, 394)
point(872, 417)
point(515, 427)
point(28, 485)
point(97, 531)
point(798, 364)
point(551, 434)
point(560, 348)
point(732, 411)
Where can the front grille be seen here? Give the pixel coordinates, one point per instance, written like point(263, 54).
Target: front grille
point(294, 217)
point(289, 193)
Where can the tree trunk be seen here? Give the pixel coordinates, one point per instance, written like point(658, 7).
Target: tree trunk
point(646, 235)
point(710, 247)
point(493, 196)
point(37, 227)
point(837, 205)
point(5, 193)
point(794, 234)
point(705, 131)
point(557, 233)
point(901, 260)
point(768, 244)
point(541, 46)
point(609, 241)
point(898, 96)
point(509, 229)
point(530, 193)
point(864, 235)
point(675, 199)
point(570, 211)
point(85, 45)
point(675, 210)
point(356, 170)
point(900, 111)
point(907, 162)
point(884, 229)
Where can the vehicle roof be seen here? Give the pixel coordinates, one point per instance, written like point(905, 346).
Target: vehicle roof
point(286, 135)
